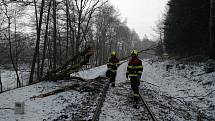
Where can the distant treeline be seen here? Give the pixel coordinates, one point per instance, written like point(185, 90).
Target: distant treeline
point(186, 28)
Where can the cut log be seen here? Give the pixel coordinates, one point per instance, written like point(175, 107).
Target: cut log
point(56, 91)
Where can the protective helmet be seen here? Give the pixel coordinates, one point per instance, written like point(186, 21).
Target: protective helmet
point(113, 53)
point(134, 52)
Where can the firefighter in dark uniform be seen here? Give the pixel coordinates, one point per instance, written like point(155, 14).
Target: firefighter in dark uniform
point(112, 65)
point(134, 72)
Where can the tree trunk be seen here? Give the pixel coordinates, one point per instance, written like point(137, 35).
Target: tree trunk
point(15, 40)
point(50, 54)
point(100, 50)
point(60, 49)
point(45, 40)
point(38, 65)
point(16, 54)
point(211, 31)
point(80, 10)
point(54, 36)
point(1, 82)
point(38, 28)
point(67, 29)
point(11, 55)
point(72, 32)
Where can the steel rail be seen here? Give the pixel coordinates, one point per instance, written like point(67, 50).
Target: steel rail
point(148, 109)
point(100, 103)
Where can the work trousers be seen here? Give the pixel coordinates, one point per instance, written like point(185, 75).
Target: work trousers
point(135, 83)
point(113, 77)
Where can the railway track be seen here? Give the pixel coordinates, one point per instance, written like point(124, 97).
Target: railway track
point(120, 94)
point(147, 108)
point(100, 102)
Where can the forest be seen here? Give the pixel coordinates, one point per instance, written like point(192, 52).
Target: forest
point(188, 28)
point(81, 60)
point(46, 34)
point(54, 38)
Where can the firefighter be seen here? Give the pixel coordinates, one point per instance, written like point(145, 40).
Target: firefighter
point(113, 63)
point(134, 72)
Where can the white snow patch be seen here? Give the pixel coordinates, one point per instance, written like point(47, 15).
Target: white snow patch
point(9, 80)
point(186, 85)
point(36, 109)
point(91, 73)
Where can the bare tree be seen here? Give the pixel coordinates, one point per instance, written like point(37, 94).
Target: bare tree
point(1, 82)
point(85, 10)
point(159, 31)
point(38, 28)
point(45, 39)
point(211, 30)
point(54, 36)
point(8, 36)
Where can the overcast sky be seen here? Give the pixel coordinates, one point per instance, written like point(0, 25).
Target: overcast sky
point(141, 14)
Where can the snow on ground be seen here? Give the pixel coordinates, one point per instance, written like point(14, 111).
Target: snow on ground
point(92, 73)
point(118, 106)
point(184, 86)
point(39, 108)
point(174, 95)
point(8, 78)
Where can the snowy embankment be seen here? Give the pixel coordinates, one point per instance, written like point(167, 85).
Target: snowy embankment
point(185, 93)
point(66, 105)
point(36, 109)
point(175, 95)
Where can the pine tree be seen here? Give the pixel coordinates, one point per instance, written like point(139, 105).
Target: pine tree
point(186, 27)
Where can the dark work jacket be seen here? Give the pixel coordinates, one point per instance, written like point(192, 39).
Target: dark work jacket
point(113, 63)
point(134, 68)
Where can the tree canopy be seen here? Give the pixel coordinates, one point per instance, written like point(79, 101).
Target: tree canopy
point(186, 27)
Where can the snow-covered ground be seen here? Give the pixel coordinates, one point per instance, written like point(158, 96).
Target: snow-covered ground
point(118, 106)
point(189, 90)
point(8, 78)
point(53, 107)
point(174, 95)
point(91, 73)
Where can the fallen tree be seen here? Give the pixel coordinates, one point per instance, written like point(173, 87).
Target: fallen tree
point(70, 66)
point(94, 85)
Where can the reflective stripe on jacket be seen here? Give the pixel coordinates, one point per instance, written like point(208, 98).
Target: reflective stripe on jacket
point(113, 63)
point(134, 68)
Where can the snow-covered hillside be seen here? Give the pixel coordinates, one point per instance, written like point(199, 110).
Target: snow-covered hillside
point(184, 94)
point(174, 95)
